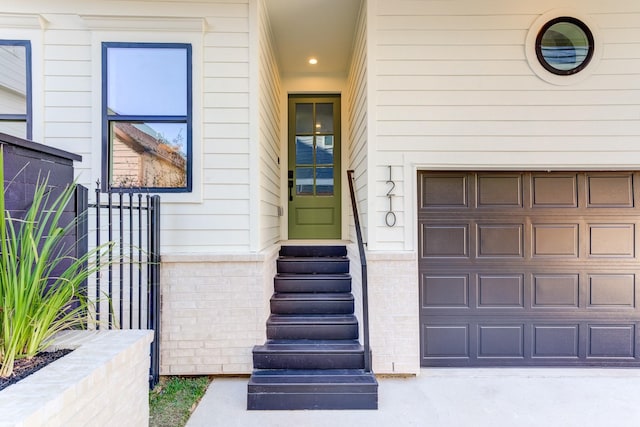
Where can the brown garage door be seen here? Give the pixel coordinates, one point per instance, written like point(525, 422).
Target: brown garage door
point(526, 268)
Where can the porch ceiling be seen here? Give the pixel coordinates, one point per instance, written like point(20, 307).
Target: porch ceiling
point(322, 29)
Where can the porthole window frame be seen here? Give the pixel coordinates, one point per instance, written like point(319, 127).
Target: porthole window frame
point(577, 75)
point(583, 27)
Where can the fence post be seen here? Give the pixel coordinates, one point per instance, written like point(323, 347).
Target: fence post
point(81, 229)
point(154, 284)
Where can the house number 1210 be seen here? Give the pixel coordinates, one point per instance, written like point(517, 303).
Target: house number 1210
point(390, 217)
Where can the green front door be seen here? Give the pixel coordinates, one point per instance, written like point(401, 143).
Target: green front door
point(314, 167)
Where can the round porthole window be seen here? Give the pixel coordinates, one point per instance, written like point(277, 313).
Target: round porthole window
point(564, 46)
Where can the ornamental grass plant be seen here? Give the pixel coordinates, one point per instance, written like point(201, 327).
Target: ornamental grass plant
point(41, 281)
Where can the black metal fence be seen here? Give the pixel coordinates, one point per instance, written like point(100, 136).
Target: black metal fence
point(126, 291)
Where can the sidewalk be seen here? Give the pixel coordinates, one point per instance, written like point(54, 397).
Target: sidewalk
point(456, 397)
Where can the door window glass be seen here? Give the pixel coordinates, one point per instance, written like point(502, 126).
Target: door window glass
point(304, 181)
point(314, 146)
point(324, 118)
point(304, 118)
point(324, 181)
point(324, 150)
point(304, 150)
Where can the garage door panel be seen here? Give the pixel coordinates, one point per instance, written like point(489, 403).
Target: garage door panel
point(612, 341)
point(561, 292)
point(612, 240)
point(612, 290)
point(501, 341)
point(556, 291)
point(499, 190)
point(610, 190)
point(445, 291)
point(500, 291)
point(555, 191)
point(441, 191)
point(500, 240)
point(556, 341)
point(542, 343)
point(445, 240)
point(553, 240)
point(446, 341)
point(530, 269)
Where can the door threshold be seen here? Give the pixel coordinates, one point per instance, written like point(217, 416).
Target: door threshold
point(315, 242)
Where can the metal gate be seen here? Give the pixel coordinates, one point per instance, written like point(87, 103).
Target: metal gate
point(126, 292)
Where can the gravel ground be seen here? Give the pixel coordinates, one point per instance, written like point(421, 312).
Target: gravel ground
point(25, 367)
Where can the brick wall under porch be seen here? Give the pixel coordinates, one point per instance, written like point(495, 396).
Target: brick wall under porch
point(215, 307)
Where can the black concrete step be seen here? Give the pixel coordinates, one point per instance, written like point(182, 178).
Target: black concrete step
point(313, 251)
point(312, 389)
point(312, 283)
point(312, 359)
point(312, 327)
point(312, 303)
point(313, 265)
point(305, 354)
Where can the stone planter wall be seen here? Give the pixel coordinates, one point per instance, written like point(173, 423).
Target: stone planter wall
point(103, 382)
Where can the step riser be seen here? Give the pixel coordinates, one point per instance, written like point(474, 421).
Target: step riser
point(312, 332)
point(277, 387)
point(312, 307)
point(308, 361)
point(297, 401)
point(311, 285)
point(313, 251)
point(313, 267)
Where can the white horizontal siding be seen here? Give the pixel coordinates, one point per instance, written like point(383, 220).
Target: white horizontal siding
point(357, 116)
point(216, 216)
point(270, 117)
point(454, 88)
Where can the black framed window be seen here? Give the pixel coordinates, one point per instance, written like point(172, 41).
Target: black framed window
point(564, 45)
point(15, 88)
point(147, 112)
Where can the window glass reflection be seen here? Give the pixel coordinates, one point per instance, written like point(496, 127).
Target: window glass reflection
point(304, 118)
point(324, 150)
point(324, 181)
point(148, 154)
point(324, 118)
point(14, 128)
point(145, 81)
point(565, 46)
point(304, 181)
point(304, 150)
point(13, 79)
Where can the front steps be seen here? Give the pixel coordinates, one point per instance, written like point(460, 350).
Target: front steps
point(312, 358)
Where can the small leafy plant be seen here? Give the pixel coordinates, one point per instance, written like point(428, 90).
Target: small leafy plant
point(36, 302)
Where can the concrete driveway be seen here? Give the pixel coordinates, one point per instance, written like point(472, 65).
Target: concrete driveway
point(456, 397)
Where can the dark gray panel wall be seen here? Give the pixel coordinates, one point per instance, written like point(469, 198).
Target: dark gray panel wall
point(27, 164)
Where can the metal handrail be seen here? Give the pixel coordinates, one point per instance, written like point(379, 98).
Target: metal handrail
point(363, 264)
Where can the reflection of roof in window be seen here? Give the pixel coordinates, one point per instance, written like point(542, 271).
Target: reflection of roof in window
point(12, 69)
point(140, 141)
point(304, 152)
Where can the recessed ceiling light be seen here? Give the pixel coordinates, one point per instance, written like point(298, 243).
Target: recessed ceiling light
point(313, 61)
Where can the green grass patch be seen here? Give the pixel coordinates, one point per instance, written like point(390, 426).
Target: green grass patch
point(173, 400)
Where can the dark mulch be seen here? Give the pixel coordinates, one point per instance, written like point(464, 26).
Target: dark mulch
point(25, 367)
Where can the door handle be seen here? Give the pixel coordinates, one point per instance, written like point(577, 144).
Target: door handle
point(290, 186)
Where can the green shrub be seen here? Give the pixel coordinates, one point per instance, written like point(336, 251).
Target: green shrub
point(35, 304)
